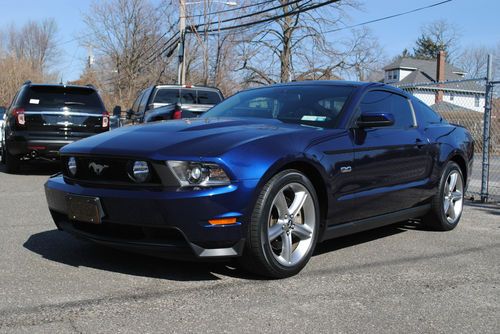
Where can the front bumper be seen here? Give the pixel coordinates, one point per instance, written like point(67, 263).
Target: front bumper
point(166, 223)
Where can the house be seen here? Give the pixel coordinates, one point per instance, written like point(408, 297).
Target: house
point(418, 76)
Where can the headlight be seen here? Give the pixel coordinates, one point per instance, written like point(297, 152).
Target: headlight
point(139, 171)
point(190, 173)
point(72, 166)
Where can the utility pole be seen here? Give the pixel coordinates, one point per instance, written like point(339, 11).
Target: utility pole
point(182, 50)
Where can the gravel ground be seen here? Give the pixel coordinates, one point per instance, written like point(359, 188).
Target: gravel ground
point(397, 279)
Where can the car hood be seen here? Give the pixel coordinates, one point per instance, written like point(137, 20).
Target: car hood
point(187, 137)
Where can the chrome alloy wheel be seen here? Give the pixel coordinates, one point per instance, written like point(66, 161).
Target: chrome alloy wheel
point(453, 195)
point(291, 224)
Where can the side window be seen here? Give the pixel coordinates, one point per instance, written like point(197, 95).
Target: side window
point(144, 101)
point(188, 96)
point(208, 97)
point(135, 106)
point(401, 111)
point(425, 115)
point(382, 101)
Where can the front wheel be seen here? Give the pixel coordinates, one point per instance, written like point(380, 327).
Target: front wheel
point(284, 226)
point(447, 204)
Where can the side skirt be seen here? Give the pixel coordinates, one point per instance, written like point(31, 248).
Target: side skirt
point(335, 231)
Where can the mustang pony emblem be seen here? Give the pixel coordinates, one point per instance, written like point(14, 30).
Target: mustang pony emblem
point(97, 168)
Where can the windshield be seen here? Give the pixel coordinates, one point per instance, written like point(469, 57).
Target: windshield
point(314, 105)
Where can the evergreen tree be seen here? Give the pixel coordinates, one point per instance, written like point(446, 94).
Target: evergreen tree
point(427, 48)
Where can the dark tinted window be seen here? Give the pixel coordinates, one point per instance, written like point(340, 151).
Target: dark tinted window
point(382, 101)
point(314, 105)
point(2, 112)
point(188, 96)
point(425, 115)
point(41, 97)
point(208, 97)
point(135, 106)
point(167, 95)
point(144, 100)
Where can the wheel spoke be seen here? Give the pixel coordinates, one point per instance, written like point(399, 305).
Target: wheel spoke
point(281, 204)
point(298, 202)
point(275, 231)
point(302, 231)
point(451, 211)
point(453, 181)
point(286, 248)
point(447, 205)
point(456, 195)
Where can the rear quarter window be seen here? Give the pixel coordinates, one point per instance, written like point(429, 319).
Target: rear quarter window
point(425, 115)
point(47, 97)
point(208, 97)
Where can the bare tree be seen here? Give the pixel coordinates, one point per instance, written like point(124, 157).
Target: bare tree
point(26, 53)
point(294, 45)
point(364, 55)
point(126, 35)
point(439, 35)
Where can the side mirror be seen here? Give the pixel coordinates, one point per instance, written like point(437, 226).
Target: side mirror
point(375, 120)
point(129, 113)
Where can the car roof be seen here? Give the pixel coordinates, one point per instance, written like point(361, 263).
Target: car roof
point(188, 87)
point(62, 85)
point(337, 83)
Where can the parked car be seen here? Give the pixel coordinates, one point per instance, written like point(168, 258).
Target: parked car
point(43, 118)
point(163, 102)
point(2, 118)
point(266, 174)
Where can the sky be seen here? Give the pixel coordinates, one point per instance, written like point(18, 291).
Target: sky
point(477, 21)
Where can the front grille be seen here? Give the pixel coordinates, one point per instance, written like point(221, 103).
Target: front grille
point(106, 171)
point(132, 233)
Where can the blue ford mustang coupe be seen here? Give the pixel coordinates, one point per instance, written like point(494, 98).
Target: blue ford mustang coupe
point(266, 175)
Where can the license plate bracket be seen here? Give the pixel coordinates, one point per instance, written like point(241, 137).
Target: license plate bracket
point(85, 209)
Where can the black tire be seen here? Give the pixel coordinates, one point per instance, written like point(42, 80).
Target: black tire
point(2, 153)
point(438, 219)
point(12, 163)
point(259, 256)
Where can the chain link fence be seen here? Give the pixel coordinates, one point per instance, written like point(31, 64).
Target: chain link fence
point(463, 102)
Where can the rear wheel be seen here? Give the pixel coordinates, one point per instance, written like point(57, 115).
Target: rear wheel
point(284, 227)
point(448, 203)
point(12, 162)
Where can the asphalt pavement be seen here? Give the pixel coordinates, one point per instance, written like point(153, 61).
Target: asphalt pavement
point(396, 279)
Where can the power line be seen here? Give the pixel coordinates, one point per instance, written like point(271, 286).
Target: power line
point(248, 15)
point(273, 18)
point(388, 17)
point(377, 20)
point(232, 9)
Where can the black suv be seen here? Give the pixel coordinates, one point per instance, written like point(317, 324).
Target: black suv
point(42, 118)
point(164, 102)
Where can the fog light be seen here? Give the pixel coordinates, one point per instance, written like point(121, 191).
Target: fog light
point(140, 172)
point(72, 166)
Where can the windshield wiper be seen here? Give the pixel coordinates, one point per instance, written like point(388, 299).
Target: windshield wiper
point(70, 103)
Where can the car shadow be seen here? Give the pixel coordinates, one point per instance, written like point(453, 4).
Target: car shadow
point(63, 248)
point(491, 208)
point(37, 167)
point(366, 236)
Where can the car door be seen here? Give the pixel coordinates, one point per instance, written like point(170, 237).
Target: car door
point(391, 163)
